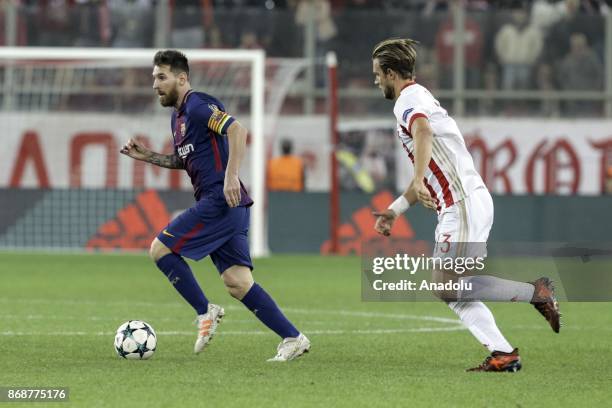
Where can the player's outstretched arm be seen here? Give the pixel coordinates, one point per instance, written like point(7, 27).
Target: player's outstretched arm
point(385, 219)
point(136, 150)
point(237, 135)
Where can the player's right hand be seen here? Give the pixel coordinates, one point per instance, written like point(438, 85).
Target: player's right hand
point(231, 190)
point(134, 149)
point(384, 222)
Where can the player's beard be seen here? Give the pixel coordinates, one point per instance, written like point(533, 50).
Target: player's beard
point(389, 92)
point(169, 99)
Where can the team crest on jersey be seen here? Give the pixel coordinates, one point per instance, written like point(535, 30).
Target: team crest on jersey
point(183, 129)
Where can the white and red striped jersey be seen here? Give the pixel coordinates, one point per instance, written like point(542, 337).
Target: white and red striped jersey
point(450, 176)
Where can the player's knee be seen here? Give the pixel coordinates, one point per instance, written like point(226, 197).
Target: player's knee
point(238, 280)
point(445, 295)
point(442, 278)
point(238, 288)
point(158, 250)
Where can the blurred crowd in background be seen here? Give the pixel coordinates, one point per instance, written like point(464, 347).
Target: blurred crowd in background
point(509, 44)
point(516, 52)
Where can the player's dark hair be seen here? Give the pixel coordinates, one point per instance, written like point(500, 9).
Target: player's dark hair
point(398, 54)
point(173, 58)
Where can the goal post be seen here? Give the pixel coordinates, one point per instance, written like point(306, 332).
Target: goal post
point(332, 108)
point(49, 92)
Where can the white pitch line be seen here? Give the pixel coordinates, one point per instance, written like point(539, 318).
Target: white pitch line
point(114, 319)
point(354, 313)
point(290, 310)
point(147, 319)
point(246, 332)
point(340, 312)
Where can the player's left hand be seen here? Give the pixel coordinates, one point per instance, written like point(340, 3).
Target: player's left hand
point(231, 190)
point(384, 222)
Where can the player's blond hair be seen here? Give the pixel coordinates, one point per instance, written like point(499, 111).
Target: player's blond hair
point(397, 54)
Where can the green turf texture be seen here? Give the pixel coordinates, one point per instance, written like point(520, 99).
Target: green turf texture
point(58, 314)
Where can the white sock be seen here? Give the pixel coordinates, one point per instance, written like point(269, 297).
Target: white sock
point(486, 287)
point(477, 317)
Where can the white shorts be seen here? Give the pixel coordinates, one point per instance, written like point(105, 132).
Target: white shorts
point(468, 221)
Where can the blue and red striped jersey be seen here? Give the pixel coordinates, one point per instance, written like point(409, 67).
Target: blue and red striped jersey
point(199, 129)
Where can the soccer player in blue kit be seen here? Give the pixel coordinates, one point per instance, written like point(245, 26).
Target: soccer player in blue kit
point(209, 144)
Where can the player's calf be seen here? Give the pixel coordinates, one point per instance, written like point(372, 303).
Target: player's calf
point(179, 274)
point(239, 282)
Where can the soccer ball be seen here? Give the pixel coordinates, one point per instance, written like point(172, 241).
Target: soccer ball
point(135, 340)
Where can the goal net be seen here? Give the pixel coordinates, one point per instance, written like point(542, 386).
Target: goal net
point(65, 113)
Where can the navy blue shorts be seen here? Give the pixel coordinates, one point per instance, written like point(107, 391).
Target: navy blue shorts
point(211, 228)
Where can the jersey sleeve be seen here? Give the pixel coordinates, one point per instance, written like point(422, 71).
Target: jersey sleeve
point(217, 120)
point(406, 110)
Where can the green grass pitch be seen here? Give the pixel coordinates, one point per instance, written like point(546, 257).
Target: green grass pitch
point(58, 314)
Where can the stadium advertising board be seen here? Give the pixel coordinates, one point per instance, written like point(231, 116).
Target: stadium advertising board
point(514, 156)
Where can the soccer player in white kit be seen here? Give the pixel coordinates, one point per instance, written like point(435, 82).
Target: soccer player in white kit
point(446, 181)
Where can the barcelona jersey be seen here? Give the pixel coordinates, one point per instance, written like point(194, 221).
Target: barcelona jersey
point(199, 129)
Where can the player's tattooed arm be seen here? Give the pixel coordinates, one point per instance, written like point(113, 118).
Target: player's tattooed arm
point(169, 161)
point(136, 150)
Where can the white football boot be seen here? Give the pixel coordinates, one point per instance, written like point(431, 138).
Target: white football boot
point(207, 326)
point(291, 348)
